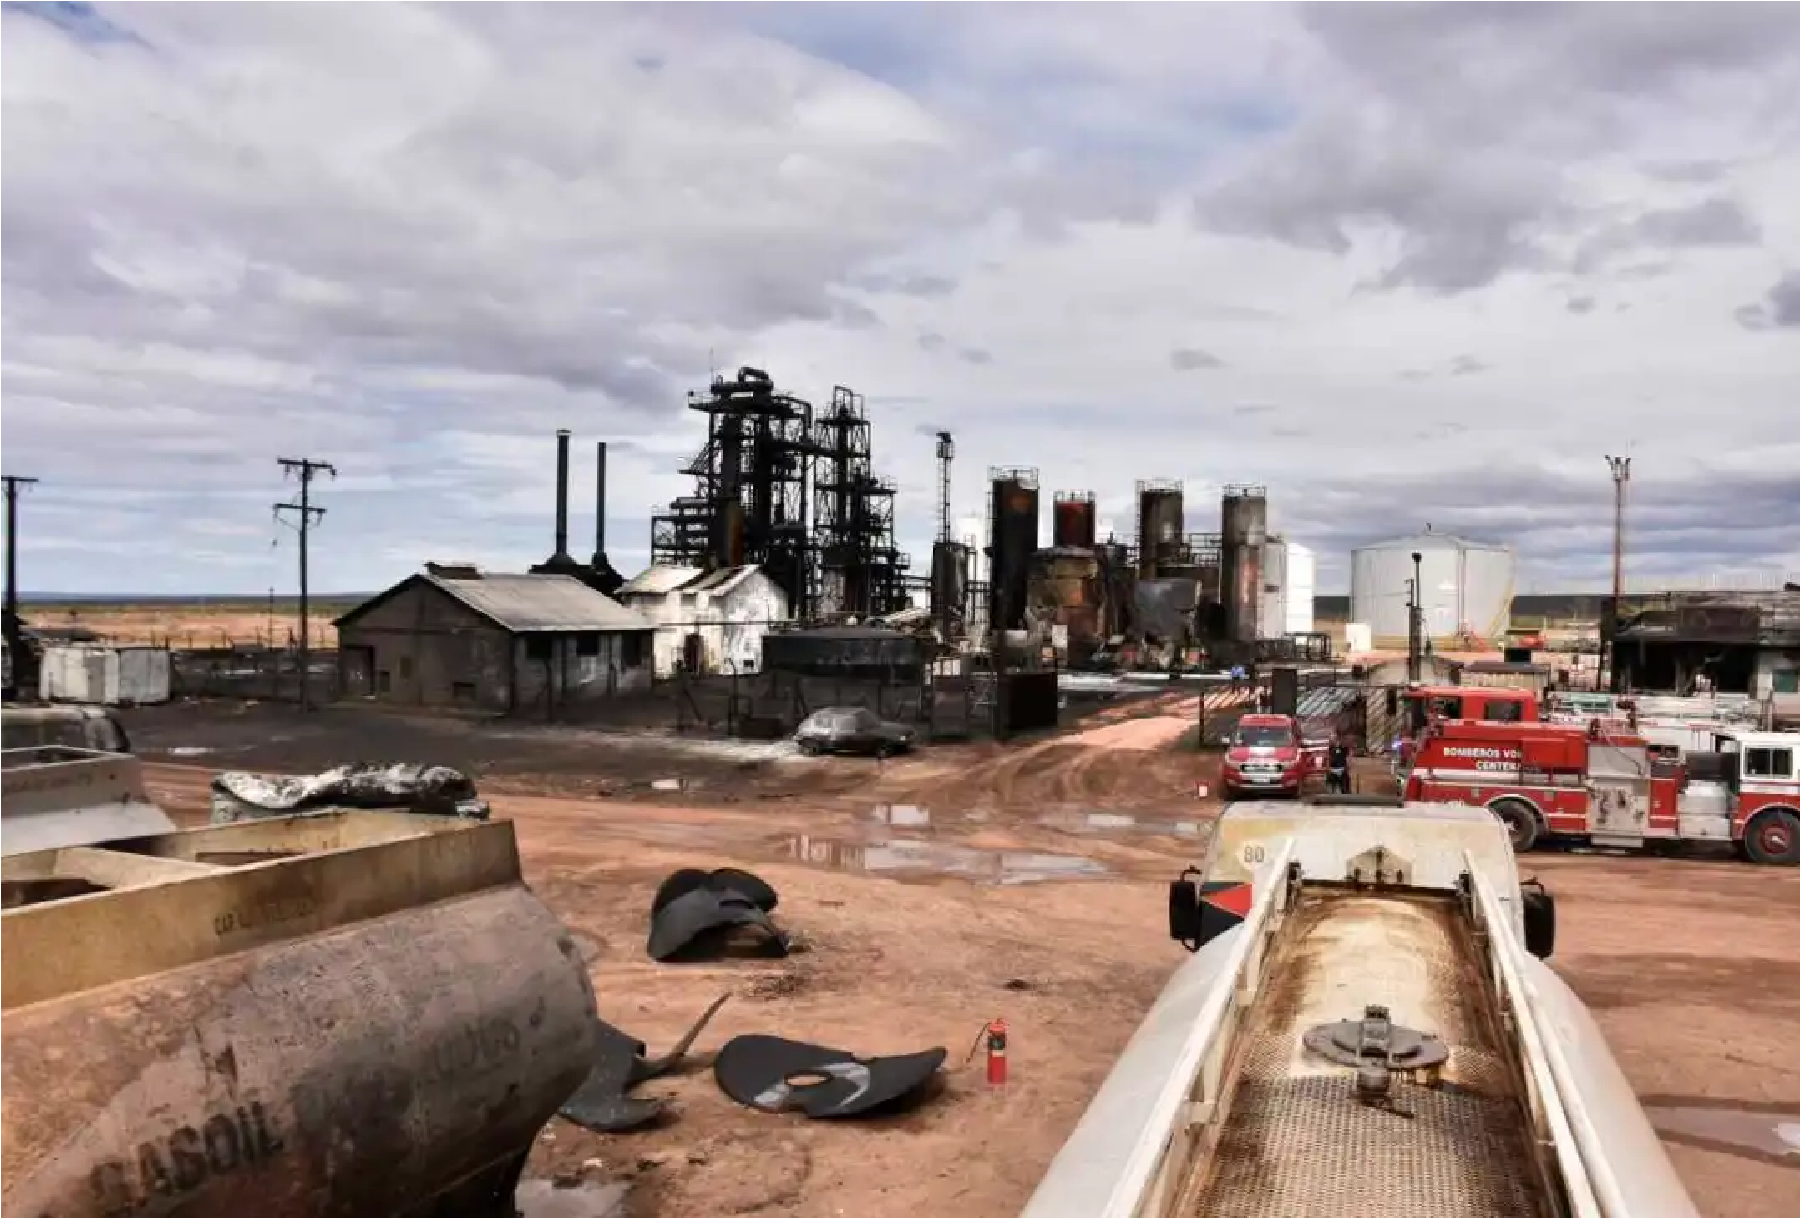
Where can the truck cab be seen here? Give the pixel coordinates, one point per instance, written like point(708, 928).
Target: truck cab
point(1266, 755)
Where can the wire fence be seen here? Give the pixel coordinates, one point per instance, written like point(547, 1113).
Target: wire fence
point(267, 674)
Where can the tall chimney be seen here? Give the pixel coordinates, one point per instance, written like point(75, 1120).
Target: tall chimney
point(562, 498)
point(600, 505)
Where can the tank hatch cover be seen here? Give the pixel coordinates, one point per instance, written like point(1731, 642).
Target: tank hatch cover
point(1375, 1040)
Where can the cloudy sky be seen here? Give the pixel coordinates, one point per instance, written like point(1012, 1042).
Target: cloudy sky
point(1401, 264)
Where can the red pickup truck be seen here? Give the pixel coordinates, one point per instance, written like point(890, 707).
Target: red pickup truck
point(1267, 756)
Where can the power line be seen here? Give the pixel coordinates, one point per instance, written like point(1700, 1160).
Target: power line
point(305, 469)
point(15, 636)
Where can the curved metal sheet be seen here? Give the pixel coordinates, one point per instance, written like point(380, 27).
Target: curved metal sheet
point(1601, 1094)
point(1085, 1175)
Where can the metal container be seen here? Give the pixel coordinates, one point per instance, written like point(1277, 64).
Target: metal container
point(1072, 520)
point(1161, 526)
point(1466, 595)
point(1244, 527)
point(949, 583)
point(1013, 528)
point(849, 652)
point(105, 676)
point(355, 1014)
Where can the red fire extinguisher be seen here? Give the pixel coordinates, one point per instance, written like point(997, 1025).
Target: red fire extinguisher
point(996, 1053)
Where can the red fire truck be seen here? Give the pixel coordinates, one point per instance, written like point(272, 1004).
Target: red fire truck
point(1556, 780)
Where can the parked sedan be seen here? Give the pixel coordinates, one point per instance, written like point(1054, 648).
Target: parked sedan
point(840, 729)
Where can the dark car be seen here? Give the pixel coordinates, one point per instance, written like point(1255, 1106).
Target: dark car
point(839, 729)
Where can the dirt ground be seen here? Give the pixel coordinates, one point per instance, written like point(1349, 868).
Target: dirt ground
point(973, 881)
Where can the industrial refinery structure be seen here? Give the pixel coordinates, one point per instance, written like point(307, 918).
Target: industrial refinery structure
point(792, 490)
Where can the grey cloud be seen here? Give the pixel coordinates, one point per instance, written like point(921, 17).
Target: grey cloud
point(1580, 304)
point(1193, 359)
point(1251, 409)
point(1718, 222)
point(975, 355)
point(1780, 309)
point(1467, 365)
point(932, 342)
point(1458, 125)
point(930, 286)
point(1561, 522)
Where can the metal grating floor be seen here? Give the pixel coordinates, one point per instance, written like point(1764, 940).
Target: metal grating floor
point(1297, 1144)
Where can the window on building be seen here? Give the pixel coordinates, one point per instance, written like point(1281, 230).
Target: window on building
point(631, 650)
point(587, 643)
point(406, 668)
point(383, 681)
point(462, 691)
point(1768, 763)
point(537, 648)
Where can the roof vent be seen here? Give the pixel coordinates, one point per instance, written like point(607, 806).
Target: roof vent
point(453, 570)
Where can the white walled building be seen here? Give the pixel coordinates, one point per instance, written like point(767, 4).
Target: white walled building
point(714, 621)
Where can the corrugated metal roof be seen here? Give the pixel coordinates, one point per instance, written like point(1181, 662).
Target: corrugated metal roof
point(659, 581)
point(531, 603)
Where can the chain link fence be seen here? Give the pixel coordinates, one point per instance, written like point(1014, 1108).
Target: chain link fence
point(251, 673)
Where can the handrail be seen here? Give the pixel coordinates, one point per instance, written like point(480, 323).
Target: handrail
point(1139, 1174)
point(1592, 1189)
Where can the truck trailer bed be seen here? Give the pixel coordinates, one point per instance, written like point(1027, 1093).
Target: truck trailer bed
point(1296, 1140)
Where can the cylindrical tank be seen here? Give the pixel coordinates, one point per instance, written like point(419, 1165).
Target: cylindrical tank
point(1013, 527)
point(1272, 623)
point(949, 582)
point(1161, 526)
point(1302, 587)
point(1243, 529)
point(363, 1071)
point(1466, 590)
point(1072, 520)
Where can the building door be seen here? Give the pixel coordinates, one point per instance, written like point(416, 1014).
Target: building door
point(693, 654)
point(356, 665)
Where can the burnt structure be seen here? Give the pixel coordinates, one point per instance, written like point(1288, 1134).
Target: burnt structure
point(862, 571)
point(1012, 540)
point(1160, 537)
point(1072, 520)
point(598, 573)
point(1734, 642)
point(777, 487)
point(1244, 526)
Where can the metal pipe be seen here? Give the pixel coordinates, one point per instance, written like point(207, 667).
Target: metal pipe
point(562, 497)
point(599, 502)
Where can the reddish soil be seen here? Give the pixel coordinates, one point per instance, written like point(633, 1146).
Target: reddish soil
point(1691, 967)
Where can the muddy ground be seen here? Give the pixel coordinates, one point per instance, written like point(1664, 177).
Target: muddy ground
point(1027, 882)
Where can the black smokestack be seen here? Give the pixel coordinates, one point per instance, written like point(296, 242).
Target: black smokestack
point(562, 498)
point(600, 505)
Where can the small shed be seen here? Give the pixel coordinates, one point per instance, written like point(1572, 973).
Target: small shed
point(104, 676)
point(707, 621)
point(455, 636)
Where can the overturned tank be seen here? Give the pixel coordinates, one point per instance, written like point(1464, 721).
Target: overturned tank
point(350, 1013)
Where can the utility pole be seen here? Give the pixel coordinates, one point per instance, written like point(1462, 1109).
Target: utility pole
point(305, 469)
point(15, 636)
point(1621, 475)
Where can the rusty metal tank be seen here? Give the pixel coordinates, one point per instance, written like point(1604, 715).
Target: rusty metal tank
point(1160, 526)
point(1072, 522)
point(354, 1014)
point(1013, 539)
point(1244, 528)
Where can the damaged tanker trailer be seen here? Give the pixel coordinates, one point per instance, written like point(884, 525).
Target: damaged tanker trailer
point(356, 1013)
point(1367, 1029)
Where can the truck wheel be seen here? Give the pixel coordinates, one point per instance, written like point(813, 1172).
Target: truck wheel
point(1772, 838)
point(1520, 820)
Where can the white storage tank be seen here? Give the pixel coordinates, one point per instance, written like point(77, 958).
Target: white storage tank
point(1302, 587)
point(1466, 597)
point(105, 676)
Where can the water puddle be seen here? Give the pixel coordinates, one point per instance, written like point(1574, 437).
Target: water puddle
point(905, 816)
point(1118, 822)
point(899, 857)
point(587, 1199)
point(1769, 1133)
